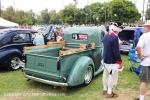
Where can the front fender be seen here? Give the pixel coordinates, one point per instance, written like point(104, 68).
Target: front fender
point(77, 73)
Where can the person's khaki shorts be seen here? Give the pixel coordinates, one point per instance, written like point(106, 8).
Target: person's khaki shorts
point(145, 74)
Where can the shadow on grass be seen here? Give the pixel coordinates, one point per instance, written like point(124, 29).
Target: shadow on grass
point(54, 89)
point(4, 69)
point(7, 69)
point(58, 89)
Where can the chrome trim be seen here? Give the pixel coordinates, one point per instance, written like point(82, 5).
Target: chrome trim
point(42, 55)
point(14, 44)
point(46, 81)
point(125, 50)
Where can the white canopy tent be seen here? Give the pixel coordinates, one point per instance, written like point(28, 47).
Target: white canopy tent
point(5, 23)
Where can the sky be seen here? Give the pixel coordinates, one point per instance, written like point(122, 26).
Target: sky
point(38, 5)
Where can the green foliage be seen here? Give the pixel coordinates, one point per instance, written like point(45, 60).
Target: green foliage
point(96, 13)
point(54, 17)
point(68, 14)
point(45, 16)
point(123, 11)
point(148, 14)
point(24, 18)
point(19, 16)
point(8, 14)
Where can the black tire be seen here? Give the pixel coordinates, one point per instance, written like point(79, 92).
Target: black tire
point(14, 63)
point(88, 75)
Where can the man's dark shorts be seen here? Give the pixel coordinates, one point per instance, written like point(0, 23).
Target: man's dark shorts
point(145, 74)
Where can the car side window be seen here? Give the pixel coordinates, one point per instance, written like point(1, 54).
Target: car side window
point(20, 37)
point(27, 37)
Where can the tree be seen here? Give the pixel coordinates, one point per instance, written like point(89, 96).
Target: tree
point(68, 14)
point(55, 17)
point(148, 14)
point(24, 18)
point(9, 14)
point(123, 11)
point(32, 16)
point(95, 13)
point(45, 16)
point(19, 16)
point(79, 16)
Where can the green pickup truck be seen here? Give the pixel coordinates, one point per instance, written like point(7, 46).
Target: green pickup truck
point(74, 62)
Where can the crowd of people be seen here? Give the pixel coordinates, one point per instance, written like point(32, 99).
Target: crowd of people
point(39, 37)
point(113, 62)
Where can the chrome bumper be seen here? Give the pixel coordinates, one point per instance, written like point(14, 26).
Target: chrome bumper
point(125, 50)
point(46, 81)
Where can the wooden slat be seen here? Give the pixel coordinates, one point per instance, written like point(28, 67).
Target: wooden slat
point(32, 47)
point(60, 43)
point(49, 44)
point(93, 45)
point(66, 52)
point(82, 48)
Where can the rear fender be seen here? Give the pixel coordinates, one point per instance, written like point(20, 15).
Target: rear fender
point(7, 54)
point(76, 76)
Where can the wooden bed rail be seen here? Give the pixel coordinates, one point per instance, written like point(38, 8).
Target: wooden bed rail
point(49, 44)
point(60, 43)
point(82, 47)
point(62, 52)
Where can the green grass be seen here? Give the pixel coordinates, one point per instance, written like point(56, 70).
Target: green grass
point(13, 84)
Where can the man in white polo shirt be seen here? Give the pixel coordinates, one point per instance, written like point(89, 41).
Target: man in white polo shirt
point(143, 50)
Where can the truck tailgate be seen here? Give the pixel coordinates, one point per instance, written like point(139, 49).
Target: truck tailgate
point(42, 66)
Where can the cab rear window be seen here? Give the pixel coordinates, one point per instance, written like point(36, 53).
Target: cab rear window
point(79, 36)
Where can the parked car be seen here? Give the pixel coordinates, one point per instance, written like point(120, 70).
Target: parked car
point(75, 62)
point(128, 37)
point(12, 42)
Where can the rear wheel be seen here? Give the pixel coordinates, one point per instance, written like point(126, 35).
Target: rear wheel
point(88, 75)
point(15, 63)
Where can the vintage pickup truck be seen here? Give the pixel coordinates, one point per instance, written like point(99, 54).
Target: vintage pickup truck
point(74, 61)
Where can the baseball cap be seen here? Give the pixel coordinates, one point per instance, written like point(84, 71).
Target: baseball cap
point(116, 26)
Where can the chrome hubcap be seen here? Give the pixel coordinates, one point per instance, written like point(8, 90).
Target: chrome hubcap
point(15, 63)
point(88, 75)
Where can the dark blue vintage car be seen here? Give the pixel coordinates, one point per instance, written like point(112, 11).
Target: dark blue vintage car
point(12, 42)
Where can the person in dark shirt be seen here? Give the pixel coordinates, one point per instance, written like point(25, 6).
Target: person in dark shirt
point(112, 60)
